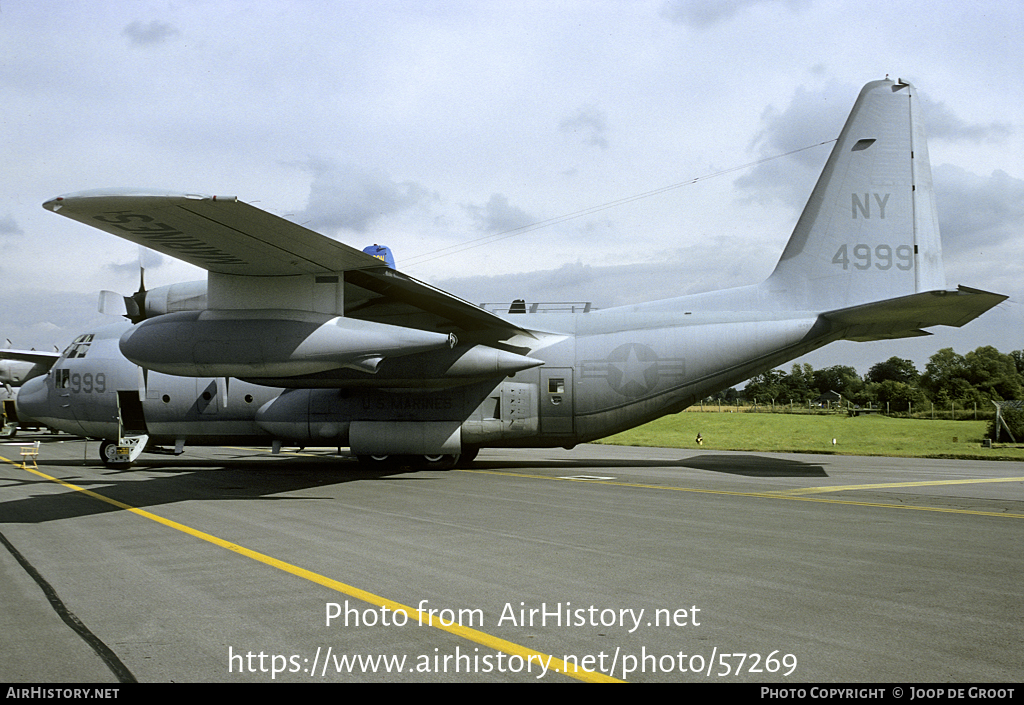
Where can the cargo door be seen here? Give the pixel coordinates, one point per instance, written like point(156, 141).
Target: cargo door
point(131, 424)
point(130, 416)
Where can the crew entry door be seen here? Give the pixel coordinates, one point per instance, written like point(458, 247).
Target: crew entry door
point(556, 405)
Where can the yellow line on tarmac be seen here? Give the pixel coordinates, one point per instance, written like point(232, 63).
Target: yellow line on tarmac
point(474, 635)
point(781, 494)
point(884, 485)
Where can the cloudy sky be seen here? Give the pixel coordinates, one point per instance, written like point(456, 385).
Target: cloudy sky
point(608, 151)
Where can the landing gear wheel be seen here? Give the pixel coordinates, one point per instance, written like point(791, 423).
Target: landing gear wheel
point(440, 462)
point(375, 460)
point(110, 457)
point(467, 457)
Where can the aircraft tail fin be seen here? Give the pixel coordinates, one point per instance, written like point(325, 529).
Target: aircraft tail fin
point(869, 231)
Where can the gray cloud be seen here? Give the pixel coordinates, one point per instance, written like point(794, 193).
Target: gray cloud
point(155, 32)
point(43, 318)
point(9, 226)
point(943, 124)
point(713, 264)
point(700, 14)
point(499, 216)
point(588, 122)
point(351, 198)
point(149, 259)
point(977, 212)
point(811, 117)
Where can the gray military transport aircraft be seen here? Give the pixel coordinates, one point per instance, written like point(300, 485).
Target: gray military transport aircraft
point(16, 368)
point(19, 366)
point(295, 338)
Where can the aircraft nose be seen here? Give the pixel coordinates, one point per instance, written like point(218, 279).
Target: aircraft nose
point(32, 400)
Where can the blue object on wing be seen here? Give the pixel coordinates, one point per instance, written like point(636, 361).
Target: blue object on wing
point(381, 252)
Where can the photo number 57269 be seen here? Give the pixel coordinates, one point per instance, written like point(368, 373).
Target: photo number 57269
point(881, 257)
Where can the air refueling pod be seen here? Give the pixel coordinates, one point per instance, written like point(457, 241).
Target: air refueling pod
point(264, 343)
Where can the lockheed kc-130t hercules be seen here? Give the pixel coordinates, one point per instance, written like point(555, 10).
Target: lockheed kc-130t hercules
point(295, 338)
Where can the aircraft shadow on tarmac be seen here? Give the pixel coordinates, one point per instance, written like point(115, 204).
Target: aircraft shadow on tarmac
point(256, 475)
point(755, 466)
point(733, 464)
point(244, 476)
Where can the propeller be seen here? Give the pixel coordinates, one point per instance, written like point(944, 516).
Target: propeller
point(131, 307)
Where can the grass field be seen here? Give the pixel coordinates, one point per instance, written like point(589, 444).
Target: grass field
point(809, 433)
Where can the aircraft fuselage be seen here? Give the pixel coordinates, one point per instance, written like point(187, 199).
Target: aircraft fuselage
point(603, 371)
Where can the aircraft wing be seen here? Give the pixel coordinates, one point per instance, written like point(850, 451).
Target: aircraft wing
point(219, 234)
point(18, 366)
point(227, 236)
point(35, 356)
point(396, 298)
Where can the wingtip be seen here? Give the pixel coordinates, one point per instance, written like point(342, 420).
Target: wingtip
point(54, 204)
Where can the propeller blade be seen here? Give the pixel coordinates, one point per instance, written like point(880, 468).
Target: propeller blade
point(112, 304)
point(131, 307)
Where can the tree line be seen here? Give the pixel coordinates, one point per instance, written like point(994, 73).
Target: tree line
point(979, 377)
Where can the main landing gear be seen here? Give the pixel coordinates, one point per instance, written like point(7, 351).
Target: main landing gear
point(421, 462)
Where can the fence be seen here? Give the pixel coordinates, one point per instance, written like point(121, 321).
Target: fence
point(955, 411)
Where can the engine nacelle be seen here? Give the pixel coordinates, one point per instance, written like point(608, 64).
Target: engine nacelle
point(185, 296)
point(17, 372)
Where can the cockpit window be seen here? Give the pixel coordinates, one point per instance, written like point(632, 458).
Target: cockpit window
point(79, 347)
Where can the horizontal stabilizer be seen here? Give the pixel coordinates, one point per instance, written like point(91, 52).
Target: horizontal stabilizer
point(896, 335)
point(905, 316)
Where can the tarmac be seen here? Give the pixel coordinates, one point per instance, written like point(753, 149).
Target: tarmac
point(600, 563)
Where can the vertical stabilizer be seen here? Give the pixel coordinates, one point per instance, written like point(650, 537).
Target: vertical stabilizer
point(870, 230)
